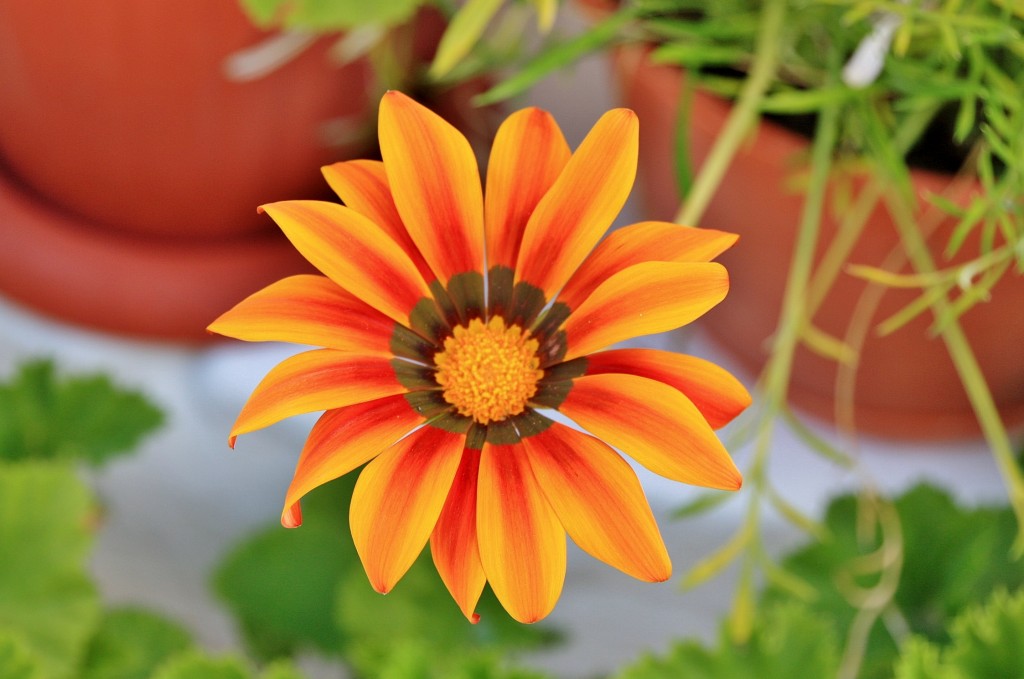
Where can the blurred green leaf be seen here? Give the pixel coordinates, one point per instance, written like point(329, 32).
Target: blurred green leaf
point(88, 418)
point(462, 33)
point(280, 583)
point(16, 660)
point(787, 641)
point(131, 643)
point(195, 665)
point(420, 611)
point(329, 15)
point(952, 557)
point(46, 596)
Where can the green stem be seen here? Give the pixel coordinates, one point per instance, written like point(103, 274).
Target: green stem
point(744, 114)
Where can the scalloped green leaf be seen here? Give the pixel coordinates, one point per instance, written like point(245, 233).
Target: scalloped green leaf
point(280, 583)
point(131, 643)
point(88, 418)
point(46, 596)
point(952, 557)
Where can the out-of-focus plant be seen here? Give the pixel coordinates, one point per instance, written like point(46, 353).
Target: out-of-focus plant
point(878, 85)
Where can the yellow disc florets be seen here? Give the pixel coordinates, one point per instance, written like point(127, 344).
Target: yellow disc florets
point(488, 371)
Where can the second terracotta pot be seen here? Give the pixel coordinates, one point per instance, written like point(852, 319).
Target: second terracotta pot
point(906, 385)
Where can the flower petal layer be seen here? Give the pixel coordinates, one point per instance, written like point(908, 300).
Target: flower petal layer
point(322, 379)
point(308, 309)
point(643, 242)
point(397, 500)
point(353, 252)
point(582, 203)
point(343, 439)
point(654, 424)
point(644, 299)
point(453, 544)
point(363, 186)
point(522, 542)
point(528, 154)
point(717, 394)
point(599, 501)
point(435, 182)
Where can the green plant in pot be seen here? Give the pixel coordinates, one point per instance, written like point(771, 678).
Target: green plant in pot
point(871, 155)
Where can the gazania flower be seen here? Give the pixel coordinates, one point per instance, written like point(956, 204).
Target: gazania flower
point(454, 319)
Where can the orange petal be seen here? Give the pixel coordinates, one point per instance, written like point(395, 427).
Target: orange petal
point(322, 379)
point(363, 186)
point(453, 544)
point(522, 542)
point(654, 424)
point(644, 299)
point(579, 208)
point(343, 439)
point(397, 500)
point(308, 309)
point(643, 242)
point(435, 183)
point(528, 154)
point(717, 394)
point(354, 252)
point(598, 499)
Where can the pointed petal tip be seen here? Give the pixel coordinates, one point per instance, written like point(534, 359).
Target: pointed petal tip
point(473, 618)
point(231, 441)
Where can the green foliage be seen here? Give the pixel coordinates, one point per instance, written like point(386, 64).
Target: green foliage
point(986, 642)
point(417, 660)
point(129, 643)
point(329, 15)
point(46, 597)
point(195, 665)
point(79, 418)
point(788, 640)
point(951, 557)
point(16, 660)
point(305, 588)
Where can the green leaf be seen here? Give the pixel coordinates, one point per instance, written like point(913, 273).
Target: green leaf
point(465, 29)
point(420, 611)
point(46, 595)
point(280, 583)
point(329, 15)
point(131, 643)
point(194, 665)
point(987, 638)
point(952, 557)
point(16, 660)
point(787, 641)
point(80, 418)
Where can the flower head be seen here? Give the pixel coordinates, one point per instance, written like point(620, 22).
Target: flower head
point(453, 319)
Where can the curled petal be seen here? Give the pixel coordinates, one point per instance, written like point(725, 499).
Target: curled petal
point(522, 542)
point(453, 544)
point(654, 424)
point(397, 500)
point(345, 438)
point(644, 299)
point(599, 501)
point(717, 394)
point(353, 252)
point(435, 183)
point(528, 154)
point(582, 203)
point(308, 309)
point(643, 242)
point(322, 379)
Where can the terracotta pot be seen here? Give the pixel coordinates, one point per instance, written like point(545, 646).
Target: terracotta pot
point(905, 384)
point(131, 166)
point(121, 112)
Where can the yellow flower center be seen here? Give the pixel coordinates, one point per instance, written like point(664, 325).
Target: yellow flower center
point(488, 371)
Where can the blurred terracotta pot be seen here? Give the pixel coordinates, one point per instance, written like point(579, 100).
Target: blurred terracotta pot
point(905, 384)
point(131, 165)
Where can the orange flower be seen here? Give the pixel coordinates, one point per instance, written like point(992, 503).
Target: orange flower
point(443, 349)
